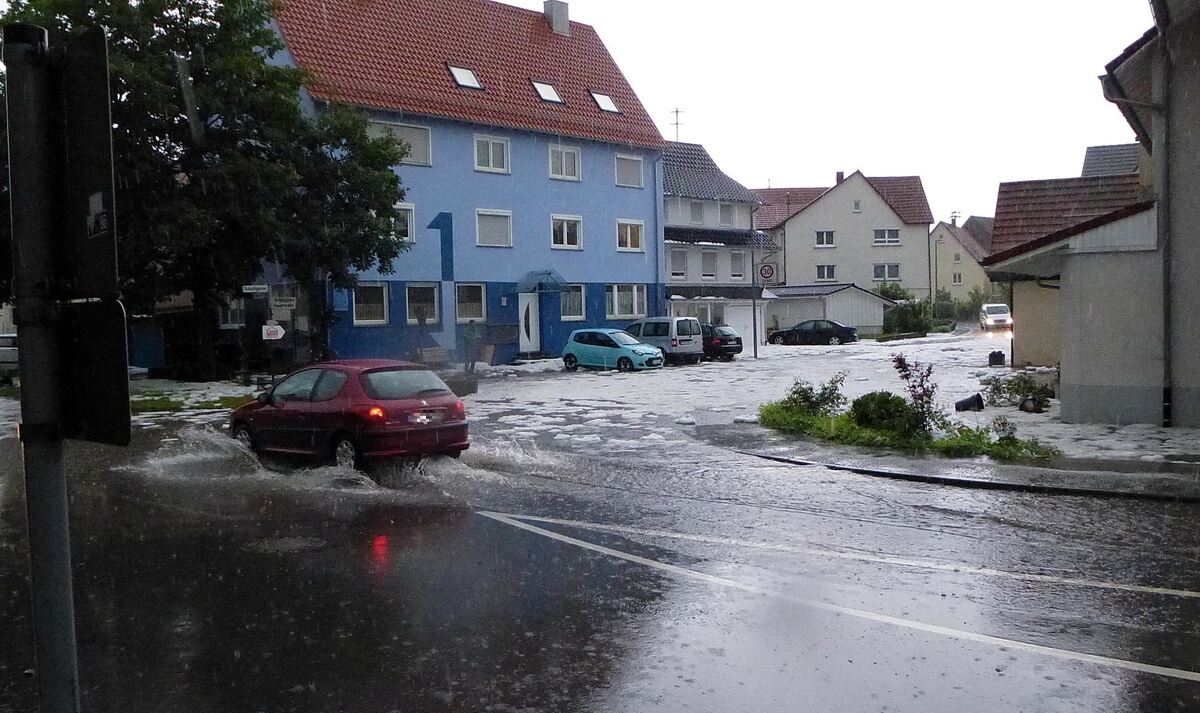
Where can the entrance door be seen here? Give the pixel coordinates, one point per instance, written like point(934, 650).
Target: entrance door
point(530, 324)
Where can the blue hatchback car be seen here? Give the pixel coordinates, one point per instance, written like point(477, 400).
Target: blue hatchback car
point(609, 349)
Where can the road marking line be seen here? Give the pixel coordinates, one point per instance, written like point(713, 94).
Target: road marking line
point(881, 559)
point(849, 611)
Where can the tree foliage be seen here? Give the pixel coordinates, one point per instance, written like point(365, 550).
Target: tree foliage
point(218, 167)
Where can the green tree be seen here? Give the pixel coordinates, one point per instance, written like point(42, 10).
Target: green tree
point(218, 168)
point(893, 291)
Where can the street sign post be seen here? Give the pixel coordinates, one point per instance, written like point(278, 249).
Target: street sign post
point(283, 302)
point(255, 289)
point(272, 332)
point(72, 351)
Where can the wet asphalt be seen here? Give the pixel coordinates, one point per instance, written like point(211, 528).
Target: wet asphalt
point(544, 575)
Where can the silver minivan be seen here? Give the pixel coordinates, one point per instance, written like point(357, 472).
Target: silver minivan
point(679, 338)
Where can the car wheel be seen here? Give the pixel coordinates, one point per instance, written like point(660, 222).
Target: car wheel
point(776, 339)
point(835, 340)
point(624, 364)
point(698, 358)
point(345, 453)
point(243, 436)
point(570, 362)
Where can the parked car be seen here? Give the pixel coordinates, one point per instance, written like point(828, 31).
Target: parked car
point(720, 342)
point(609, 349)
point(995, 316)
point(680, 338)
point(355, 410)
point(8, 352)
point(815, 331)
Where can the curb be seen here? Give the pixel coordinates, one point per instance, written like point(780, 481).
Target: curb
point(979, 484)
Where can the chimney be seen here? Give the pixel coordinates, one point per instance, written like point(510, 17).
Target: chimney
point(841, 176)
point(556, 15)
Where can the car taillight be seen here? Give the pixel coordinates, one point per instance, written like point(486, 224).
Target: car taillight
point(674, 342)
point(716, 341)
point(459, 412)
point(376, 413)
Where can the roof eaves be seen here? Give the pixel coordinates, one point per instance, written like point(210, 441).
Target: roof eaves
point(1069, 232)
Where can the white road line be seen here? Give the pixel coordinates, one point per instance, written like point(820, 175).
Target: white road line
point(879, 559)
point(849, 611)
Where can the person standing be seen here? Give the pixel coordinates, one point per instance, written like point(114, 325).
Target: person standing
point(472, 338)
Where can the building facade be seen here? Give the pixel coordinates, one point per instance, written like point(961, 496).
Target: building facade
point(957, 250)
point(533, 180)
point(711, 248)
point(862, 231)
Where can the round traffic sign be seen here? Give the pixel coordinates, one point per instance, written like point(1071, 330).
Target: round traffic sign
point(766, 271)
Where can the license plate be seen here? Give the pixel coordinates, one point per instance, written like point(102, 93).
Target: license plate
point(426, 417)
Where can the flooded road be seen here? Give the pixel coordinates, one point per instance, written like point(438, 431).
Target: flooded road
point(551, 574)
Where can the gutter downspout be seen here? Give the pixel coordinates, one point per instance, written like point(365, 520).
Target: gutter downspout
point(660, 238)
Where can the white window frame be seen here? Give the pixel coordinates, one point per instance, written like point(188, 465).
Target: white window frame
point(407, 161)
point(641, 170)
point(228, 309)
point(716, 266)
point(692, 205)
point(856, 206)
point(641, 248)
point(547, 92)
point(886, 239)
point(482, 302)
point(886, 269)
point(958, 279)
point(498, 212)
point(563, 217)
point(464, 76)
point(742, 274)
point(491, 141)
point(671, 264)
point(582, 316)
point(436, 317)
point(612, 293)
point(957, 258)
point(830, 273)
point(831, 234)
point(386, 305)
point(412, 221)
point(578, 162)
point(721, 208)
point(606, 102)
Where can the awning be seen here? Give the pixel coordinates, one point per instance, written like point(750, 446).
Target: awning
point(542, 281)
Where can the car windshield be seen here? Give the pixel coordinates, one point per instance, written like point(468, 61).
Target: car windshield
point(402, 383)
point(624, 338)
point(997, 309)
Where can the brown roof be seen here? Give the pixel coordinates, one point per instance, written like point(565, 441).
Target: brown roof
point(980, 228)
point(1028, 210)
point(394, 54)
point(1068, 232)
point(964, 238)
point(905, 195)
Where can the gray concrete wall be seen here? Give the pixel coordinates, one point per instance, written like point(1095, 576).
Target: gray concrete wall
point(1111, 337)
point(1037, 325)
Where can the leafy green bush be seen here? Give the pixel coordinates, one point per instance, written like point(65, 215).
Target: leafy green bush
point(909, 317)
point(823, 400)
point(884, 411)
point(1012, 390)
point(893, 291)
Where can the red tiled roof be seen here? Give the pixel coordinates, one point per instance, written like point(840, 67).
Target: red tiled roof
point(393, 54)
point(1028, 210)
point(964, 238)
point(905, 195)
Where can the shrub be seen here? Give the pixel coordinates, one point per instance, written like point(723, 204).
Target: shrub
point(944, 310)
point(921, 388)
point(823, 400)
point(884, 411)
point(1012, 390)
point(909, 317)
point(893, 291)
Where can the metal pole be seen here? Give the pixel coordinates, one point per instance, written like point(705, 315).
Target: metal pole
point(35, 182)
point(753, 284)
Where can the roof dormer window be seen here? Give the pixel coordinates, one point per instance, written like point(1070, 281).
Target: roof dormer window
point(605, 102)
point(547, 92)
point(465, 77)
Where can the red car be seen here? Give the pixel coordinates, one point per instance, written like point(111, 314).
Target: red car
point(354, 410)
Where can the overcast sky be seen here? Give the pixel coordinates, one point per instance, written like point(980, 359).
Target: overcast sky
point(964, 93)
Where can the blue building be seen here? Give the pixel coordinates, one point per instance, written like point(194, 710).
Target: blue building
point(533, 180)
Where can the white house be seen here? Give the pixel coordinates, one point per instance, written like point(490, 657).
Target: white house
point(863, 231)
point(711, 247)
point(957, 252)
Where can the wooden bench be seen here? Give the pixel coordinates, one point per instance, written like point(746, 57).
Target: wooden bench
point(434, 356)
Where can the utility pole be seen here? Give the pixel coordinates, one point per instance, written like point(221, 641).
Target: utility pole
point(677, 111)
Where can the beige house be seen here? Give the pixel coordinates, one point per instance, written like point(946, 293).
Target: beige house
point(957, 250)
point(862, 231)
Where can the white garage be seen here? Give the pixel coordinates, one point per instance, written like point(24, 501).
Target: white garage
point(846, 303)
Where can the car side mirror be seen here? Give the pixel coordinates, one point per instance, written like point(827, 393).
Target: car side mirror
point(263, 397)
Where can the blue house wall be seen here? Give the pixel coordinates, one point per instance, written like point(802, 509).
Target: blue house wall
point(445, 197)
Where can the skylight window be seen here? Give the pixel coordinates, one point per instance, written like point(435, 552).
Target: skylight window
point(465, 77)
point(605, 102)
point(547, 92)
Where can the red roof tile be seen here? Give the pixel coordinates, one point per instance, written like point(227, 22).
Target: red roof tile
point(1028, 210)
point(393, 54)
point(905, 195)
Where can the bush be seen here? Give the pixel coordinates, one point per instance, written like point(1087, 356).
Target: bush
point(893, 291)
point(884, 411)
point(904, 318)
point(1011, 391)
point(944, 310)
point(921, 388)
point(823, 400)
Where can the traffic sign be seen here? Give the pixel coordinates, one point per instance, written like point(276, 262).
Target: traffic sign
point(767, 271)
point(255, 289)
point(272, 332)
point(283, 302)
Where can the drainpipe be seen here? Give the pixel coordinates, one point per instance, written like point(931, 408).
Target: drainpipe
point(659, 239)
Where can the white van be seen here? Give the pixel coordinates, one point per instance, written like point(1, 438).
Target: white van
point(995, 316)
point(679, 338)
